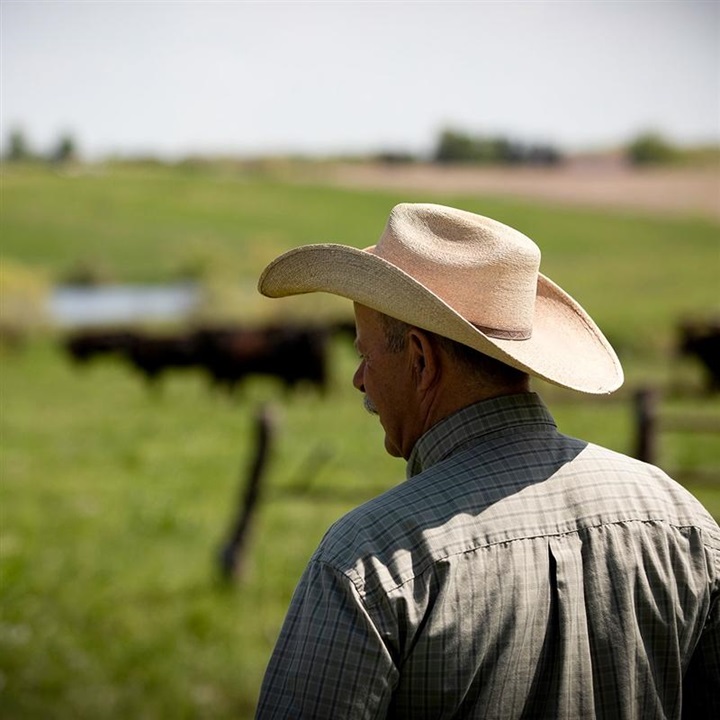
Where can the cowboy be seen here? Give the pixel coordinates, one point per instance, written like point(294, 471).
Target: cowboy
point(517, 572)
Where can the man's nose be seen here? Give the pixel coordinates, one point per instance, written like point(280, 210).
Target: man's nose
point(357, 381)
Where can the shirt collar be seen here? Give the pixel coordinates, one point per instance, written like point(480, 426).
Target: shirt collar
point(473, 422)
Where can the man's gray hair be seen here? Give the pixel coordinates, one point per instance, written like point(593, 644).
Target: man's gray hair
point(497, 372)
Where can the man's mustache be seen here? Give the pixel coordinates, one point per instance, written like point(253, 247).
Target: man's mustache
point(369, 405)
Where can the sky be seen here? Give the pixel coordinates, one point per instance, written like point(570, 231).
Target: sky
point(173, 78)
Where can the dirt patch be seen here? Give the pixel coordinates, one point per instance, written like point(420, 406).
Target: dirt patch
point(677, 191)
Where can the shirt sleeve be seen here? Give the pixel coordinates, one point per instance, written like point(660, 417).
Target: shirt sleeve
point(330, 660)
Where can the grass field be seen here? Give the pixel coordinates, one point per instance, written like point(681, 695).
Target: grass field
point(114, 500)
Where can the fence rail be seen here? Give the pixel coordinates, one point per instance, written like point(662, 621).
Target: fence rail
point(650, 423)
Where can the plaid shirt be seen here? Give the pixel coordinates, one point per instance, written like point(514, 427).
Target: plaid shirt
point(517, 573)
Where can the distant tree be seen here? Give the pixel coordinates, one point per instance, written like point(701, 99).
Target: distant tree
point(543, 155)
point(649, 149)
point(454, 146)
point(395, 157)
point(491, 150)
point(65, 150)
point(458, 147)
point(18, 149)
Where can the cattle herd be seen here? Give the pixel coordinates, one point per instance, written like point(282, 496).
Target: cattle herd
point(294, 353)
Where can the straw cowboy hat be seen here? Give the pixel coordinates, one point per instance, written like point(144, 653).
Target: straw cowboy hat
point(468, 278)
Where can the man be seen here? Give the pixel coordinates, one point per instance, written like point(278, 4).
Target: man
point(517, 573)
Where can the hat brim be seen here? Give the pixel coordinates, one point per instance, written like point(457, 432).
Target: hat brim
point(566, 347)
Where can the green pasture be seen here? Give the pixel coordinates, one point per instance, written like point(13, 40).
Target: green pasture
point(114, 498)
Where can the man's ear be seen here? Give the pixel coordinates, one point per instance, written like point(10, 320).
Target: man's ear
point(424, 358)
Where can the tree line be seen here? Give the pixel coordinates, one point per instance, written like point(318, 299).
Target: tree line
point(452, 146)
point(19, 149)
point(456, 146)
point(459, 147)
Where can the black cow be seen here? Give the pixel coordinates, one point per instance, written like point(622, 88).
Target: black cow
point(153, 355)
point(83, 345)
point(291, 353)
point(702, 341)
point(343, 329)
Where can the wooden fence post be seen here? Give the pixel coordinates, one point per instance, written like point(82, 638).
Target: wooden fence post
point(232, 553)
point(646, 424)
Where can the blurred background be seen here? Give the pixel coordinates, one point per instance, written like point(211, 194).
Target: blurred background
point(172, 445)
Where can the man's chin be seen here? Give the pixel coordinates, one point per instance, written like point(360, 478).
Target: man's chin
point(369, 405)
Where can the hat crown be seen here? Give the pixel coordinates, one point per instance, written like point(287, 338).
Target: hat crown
point(485, 270)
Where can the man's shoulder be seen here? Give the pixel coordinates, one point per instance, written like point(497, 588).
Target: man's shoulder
point(619, 487)
point(369, 527)
point(391, 539)
point(466, 502)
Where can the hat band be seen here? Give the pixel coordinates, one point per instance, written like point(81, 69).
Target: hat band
point(504, 334)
